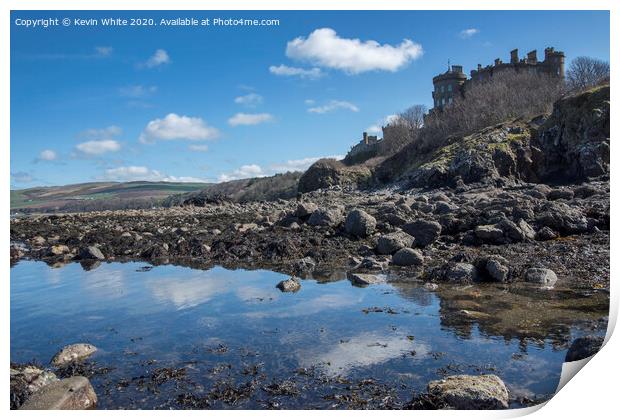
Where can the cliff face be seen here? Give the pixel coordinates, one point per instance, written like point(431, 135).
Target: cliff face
point(569, 145)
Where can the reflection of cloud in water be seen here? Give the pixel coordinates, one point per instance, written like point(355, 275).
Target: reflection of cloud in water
point(309, 307)
point(105, 282)
point(366, 349)
point(189, 292)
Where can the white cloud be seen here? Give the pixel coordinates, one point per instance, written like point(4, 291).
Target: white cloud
point(325, 48)
point(283, 70)
point(98, 147)
point(48, 155)
point(333, 105)
point(298, 164)
point(249, 100)
point(245, 171)
point(21, 177)
point(101, 133)
point(309, 102)
point(142, 173)
point(468, 33)
point(177, 127)
point(137, 91)
point(104, 51)
point(256, 171)
point(376, 127)
point(160, 57)
point(198, 147)
point(249, 119)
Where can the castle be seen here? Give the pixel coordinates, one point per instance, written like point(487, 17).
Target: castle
point(454, 82)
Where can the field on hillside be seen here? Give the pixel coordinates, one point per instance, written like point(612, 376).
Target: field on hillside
point(72, 197)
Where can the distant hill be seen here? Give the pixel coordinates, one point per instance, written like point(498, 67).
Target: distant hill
point(97, 196)
point(242, 190)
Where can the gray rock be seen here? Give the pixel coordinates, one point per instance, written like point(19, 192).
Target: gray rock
point(361, 279)
point(468, 392)
point(489, 233)
point(460, 272)
point(72, 353)
point(496, 270)
point(392, 242)
point(407, 257)
point(305, 209)
point(560, 194)
point(91, 253)
point(75, 393)
point(35, 378)
point(425, 232)
point(584, 347)
point(289, 285)
point(360, 223)
point(546, 234)
point(542, 276)
point(305, 265)
point(59, 249)
point(330, 217)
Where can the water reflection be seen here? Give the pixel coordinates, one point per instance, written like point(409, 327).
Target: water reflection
point(365, 349)
point(399, 333)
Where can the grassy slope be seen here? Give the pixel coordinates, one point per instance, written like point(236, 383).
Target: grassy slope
point(42, 197)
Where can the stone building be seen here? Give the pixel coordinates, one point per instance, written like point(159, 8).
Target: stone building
point(454, 82)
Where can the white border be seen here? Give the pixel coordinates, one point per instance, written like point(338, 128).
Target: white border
point(592, 395)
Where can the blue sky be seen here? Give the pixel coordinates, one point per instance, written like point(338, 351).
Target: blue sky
point(218, 103)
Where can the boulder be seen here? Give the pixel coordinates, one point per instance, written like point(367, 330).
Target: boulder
point(75, 393)
point(305, 265)
point(425, 232)
point(460, 272)
point(360, 223)
point(330, 217)
point(73, 353)
point(392, 242)
point(489, 233)
point(91, 253)
point(583, 347)
point(496, 269)
point(468, 392)
point(361, 279)
point(289, 285)
point(542, 276)
point(407, 257)
point(305, 209)
point(59, 249)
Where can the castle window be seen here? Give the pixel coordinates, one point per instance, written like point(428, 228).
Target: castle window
point(449, 100)
point(443, 88)
point(449, 88)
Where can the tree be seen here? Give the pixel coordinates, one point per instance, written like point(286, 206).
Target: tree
point(586, 72)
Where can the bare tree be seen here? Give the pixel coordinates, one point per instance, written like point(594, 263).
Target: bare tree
point(413, 117)
point(586, 72)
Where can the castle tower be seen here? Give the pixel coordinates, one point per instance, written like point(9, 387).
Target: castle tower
point(447, 86)
point(554, 61)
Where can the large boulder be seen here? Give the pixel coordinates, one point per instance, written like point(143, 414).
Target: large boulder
point(75, 393)
point(360, 223)
point(468, 392)
point(392, 242)
point(458, 272)
point(91, 253)
point(574, 140)
point(326, 173)
point(583, 347)
point(289, 285)
point(330, 217)
point(542, 276)
point(406, 257)
point(305, 209)
point(425, 232)
point(73, 353)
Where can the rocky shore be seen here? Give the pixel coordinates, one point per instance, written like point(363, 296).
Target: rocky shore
point(528, 233)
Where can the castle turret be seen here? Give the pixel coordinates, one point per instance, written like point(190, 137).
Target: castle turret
point(447, 86)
